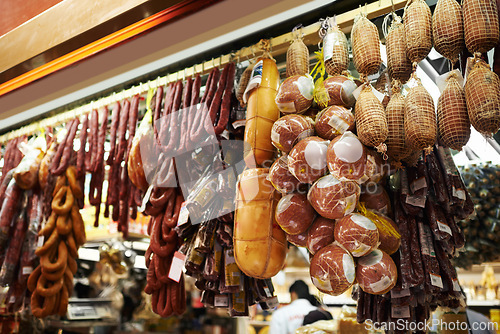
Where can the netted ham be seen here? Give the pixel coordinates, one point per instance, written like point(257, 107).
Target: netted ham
point(482, 94)
point(295, 94)
point(371, 123)
point(376, 273)
point(448, 29)
point(333, 121)
point(453, 119)
point(294, 214)
point(340, 91)
point(243, 83)
point(365, 46)
point(480, 25)
point(420, 119)
point(335, 51)
point(289, 130)
point(417, 20)
point(332, 198)
point(320, 234)
point(347, 158)
point(281, 178)
point(395, 113)
point(332, 270)
point(357, 234)
point(297, 56)
point(398, 64)
point(307, 160)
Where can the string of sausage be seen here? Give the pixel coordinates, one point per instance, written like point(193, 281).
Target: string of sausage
point(193, 115)
point(225, 106)
point(201, 117)
point(65, 150)
point(186, 103)
point(115, 120)
point(126, 187)
point(97, 178)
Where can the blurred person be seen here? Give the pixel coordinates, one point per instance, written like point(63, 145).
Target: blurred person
point(287, 319)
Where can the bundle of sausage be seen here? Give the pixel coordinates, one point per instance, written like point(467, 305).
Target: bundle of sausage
point(51, 283)
point(169, 296)
point(430, 199)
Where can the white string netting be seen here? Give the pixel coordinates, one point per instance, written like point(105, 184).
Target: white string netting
point(447, 29)
point(482, 94)
point(365, 46)
point(420, 119)
point(398, 63)
point(395, 111)
point(371, 123)
point(417, 20)
point(453, 119)
point(480, 25)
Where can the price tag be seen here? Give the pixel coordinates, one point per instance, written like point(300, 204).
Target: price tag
point(416, 201)
point(40, 241)
point(183, 215)
point(12, 300)
point(27, 270)
point(418, 184)
point(444, 228)
point(399, 312)
point(176, 267)
point(221, 301)
point(460, 194)
point(436, 280)
point(400, 294)
point(456, 286)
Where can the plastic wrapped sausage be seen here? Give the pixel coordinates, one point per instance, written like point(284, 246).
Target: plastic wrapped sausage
point(332, 270)
point(294, 214)
point(259, 249)
point(340, 90)
point(295, 94)
point(289, 130)
point(376, 273)
point(320, 234)
point(333, 121)
point(307, 160)
point(332, 198)
point(357, 233)
point(281, 178)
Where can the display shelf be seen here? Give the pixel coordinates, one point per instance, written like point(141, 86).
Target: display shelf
point(483, 303)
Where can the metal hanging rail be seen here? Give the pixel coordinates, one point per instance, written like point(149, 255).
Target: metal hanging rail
point(278, 46)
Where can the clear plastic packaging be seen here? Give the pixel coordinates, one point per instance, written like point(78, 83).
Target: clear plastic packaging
point(347, 159)
point(282, 180)
point(294, 213)
point(307, 160)
point(340, 90)
point(333, 198)
point(289, 130)
point(295, 94)
point(320, 234)
point(357, 233)
point(376, 273)
point(332, 270)
point(333, 121)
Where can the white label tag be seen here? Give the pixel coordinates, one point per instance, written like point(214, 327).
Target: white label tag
point(436, 280)
point(381, 285)
point(176, 267)
point(183, 215)
point(400, 312)
point(239, 123)
point(456, 286)
point(40, 241)
point(323, 285)
point(27, 270)
point(286, 107)
point(460, 194)
point(145, 200)
point(416, 201)
point(444, 228)
point(12, 299)
point(400, 294)
point(221, 301)
point(255, 79)
point(418, 184)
